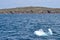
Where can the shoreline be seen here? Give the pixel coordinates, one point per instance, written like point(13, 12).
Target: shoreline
point(31, 10)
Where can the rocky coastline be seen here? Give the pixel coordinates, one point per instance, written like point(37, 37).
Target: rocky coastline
point(30, 10)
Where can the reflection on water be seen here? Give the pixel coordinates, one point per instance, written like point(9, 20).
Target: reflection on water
point(22, 26)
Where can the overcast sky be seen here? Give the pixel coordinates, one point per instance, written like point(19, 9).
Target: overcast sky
point(20, 3)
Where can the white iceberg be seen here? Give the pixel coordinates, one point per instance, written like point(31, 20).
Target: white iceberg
point(40, 32)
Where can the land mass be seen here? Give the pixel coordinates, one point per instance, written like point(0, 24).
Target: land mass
point(30, 10)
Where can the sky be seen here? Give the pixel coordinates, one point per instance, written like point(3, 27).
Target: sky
point(24, 3)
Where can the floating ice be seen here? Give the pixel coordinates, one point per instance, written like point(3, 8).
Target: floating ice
point(50, 31)
point(40, 32)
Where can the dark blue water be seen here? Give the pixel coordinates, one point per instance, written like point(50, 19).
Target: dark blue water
point(22, 26)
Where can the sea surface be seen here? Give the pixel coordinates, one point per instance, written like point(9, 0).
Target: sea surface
point(22, 26)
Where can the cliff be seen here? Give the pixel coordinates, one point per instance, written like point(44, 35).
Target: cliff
point(30, 10)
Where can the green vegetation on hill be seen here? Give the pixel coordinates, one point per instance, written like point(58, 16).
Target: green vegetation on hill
point(31, 10)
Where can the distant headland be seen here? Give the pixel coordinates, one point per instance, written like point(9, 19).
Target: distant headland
point(30, 10)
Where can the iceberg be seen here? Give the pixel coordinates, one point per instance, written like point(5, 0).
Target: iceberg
point(40, 32)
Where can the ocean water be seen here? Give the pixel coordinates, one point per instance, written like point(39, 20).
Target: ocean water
point(22, 26)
